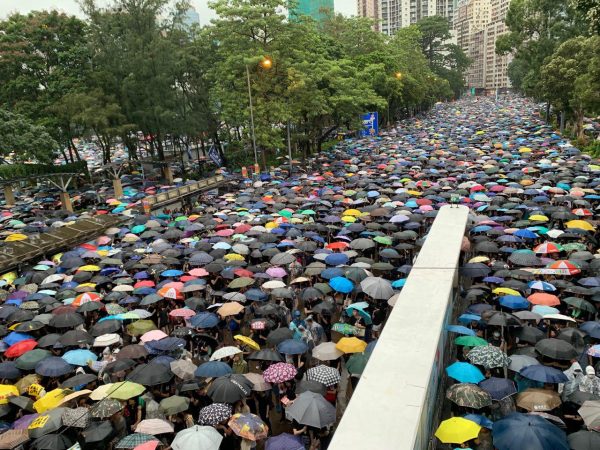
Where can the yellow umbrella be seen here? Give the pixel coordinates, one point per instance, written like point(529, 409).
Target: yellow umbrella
point(478, 259)
point(457, 430)
point(352, 212)
point(581, 224)
point(524, 150)
point(230, 309)
point(123, 390)
point(9, 277)
point(351, 345)
point(271, 225)
point(526, 182)
point(538, 218)
point(15, 237)
point(506, 291)
point(7, 390)
point(247, 341)
point(51, 400)
point(89, 268)
point(348, 219)
point(233, 257)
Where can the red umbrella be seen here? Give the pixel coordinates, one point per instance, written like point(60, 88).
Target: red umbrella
point(243, 273)
point(20, 348)
point(144, 283)
point(198, 272)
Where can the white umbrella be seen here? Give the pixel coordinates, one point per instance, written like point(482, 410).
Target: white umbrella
point(197, 437)
point(225, 352)
point(106, 339)
point(590, 413)
point(53, 278)
point(326, 352)
point(273, 284)
point(377, 288)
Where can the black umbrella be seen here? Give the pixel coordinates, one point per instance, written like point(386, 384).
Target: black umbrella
point(229, 388)
point(48, 340)
point(266, 355)
point(97, 432)
point(556, 349)
point(475, 270)
point(119, 365)
point(530, 335)
point(310, 385)
point(106, 327)
point(9, 370)
point(75, 337)
point(150, 374)
point(78, 380)
point(584, 440)
point(279, 335)
point(53, 441)
point(67, 320)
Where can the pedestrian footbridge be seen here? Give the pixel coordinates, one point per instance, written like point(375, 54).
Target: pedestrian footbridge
point(397, 402)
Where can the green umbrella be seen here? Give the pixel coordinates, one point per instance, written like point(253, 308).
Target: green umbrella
point(357, 363)
point(574, 246)
point(28, 360)
point(285, 213)
point(105, 408)
point(468, 395)
point(125, 390)
point(470, 341)
point(580, 303)
point(138, 229)
point(383, 240)
point(174, 405)
point(140, 327)
point(240, 282)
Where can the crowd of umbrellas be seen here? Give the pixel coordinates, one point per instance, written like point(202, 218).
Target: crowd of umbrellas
point(248, 322)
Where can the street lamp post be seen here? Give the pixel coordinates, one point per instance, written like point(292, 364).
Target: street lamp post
point(266, 63)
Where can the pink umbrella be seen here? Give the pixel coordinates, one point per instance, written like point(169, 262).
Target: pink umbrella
point(174, 284)
point(279, 372)
point(154, 427)
point(154, 335)
point(225, 233)
point(103, 240)
point(150, 445)
point(182, 312)
point(276, 272)
point(198, 272)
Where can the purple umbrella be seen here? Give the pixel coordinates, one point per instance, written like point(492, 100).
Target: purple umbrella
point(276, 272)
point(284, 441)
point(24, 422)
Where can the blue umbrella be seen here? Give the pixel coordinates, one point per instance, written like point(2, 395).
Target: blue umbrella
point(514, 302)
point(163, 360)
point(256, 295)
point(204, 320)
point(498, 388)
point(53, 366)
point(332, 272)
point(399, 283)
point(460, 330)
point(526, 431)
point(292, 347)
point(464, 372)
point(591, 328)
point(284, 441)
point(341, 284)
point(371, 346)
point(480, 420)
point(79, 357)
point(14, 337)
point(525, 234)
point(213, 369)
point(495, 280)
point(543, 374)
point(9, 370)
point(468, 318)
point(167, 344)
point(336, 259)
point(171, 273)
point(541, 286)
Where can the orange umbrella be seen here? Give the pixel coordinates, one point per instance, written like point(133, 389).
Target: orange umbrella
point(86, 298)
point(542, 298)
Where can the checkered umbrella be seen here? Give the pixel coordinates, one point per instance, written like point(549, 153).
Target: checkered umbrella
point(324, 374)
point(215, 413)
point(279, 372)
point(135, 439)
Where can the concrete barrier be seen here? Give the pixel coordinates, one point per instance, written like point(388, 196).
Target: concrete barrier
point(396, 403)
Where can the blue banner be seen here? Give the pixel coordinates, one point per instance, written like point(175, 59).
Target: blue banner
point(215, 156)
point(370, 124)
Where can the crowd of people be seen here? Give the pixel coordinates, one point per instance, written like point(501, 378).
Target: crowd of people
point(247, 320)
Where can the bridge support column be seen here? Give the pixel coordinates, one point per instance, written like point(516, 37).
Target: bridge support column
point(65, 200)
point(168, 174)
point(9, 196)
point(118, 187)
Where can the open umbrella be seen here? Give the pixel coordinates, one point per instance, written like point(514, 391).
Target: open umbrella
point(214, 413)
point(525, 431)
point(197, 437)
point(248, 426)
point(538, 400)
point(583, 440)
point(284, 441)
point(457, 430)
point(590, 413)
point(488, 357)
point(154, 427)
point(464, 372)
point(468, 395)
point(229, 388)
point(279, 372)
point(174, 404)
point(311, 409)
point(326, 375)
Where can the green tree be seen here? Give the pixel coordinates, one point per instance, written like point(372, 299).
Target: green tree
point(570, 79)
point(23, 140)
point(591, 9)
point(447, 60)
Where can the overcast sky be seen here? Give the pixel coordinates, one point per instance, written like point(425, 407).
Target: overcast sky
point(346, 7)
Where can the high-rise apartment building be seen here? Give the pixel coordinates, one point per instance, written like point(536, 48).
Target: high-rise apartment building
point(477, 25)
point(396, 14)
point(370, 9)
point(319, 10)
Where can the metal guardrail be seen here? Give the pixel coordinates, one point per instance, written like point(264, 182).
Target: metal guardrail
point(164, 198)
point(14, 254)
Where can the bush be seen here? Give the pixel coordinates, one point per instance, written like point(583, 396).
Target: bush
point(17, 171)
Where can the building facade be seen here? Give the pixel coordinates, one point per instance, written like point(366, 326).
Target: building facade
point(371, 10)
point(477, 25)
point(319, 10)
point(396, 14)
